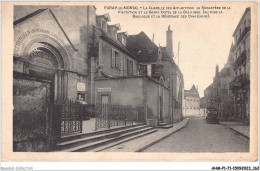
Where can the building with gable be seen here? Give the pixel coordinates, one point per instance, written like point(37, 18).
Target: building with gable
point(84, 57)
point(157, 62)
point(240, 85)
point(192, 101)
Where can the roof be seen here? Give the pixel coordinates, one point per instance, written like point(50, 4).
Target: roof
point(141, 46)
point(246, 11)
point(224, 72)
point(193, 92)
point(29, 16)
point(105, 16)
point(210, 86)
point(54, 17)
point(145, 50)
point(107, 37)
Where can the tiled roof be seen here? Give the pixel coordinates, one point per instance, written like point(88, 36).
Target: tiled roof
point(224, 72)
point(107, 37)
point(142, 47)
point(145, 50)
point(193, 92)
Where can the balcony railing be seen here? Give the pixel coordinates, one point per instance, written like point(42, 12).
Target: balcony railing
point(246, 29)
point(240, 59)
point(239, 82)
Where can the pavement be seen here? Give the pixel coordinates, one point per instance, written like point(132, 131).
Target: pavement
point(142, 143)
point(198, 136)
point(238, 128)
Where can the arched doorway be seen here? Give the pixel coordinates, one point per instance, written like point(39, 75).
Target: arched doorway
point(35, 87)
point(46, 62)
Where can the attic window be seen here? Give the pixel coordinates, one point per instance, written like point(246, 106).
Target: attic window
point(139, 52)
point(150, 51)
point(123, 40)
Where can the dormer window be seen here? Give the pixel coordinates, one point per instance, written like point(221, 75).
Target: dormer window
point(102, 21)
point(104, 25)
point(122, 37)
point(112, 29)
point(123, 40)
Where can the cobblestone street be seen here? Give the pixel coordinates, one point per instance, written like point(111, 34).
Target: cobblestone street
point(198, 136)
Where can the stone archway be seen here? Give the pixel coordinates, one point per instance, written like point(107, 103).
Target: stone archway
point(45, 61)
point(40, 77)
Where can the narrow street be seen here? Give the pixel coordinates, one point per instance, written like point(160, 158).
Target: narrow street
point(198, 136)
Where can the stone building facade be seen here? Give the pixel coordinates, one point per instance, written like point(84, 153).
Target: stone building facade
point(157, 63)
point(240, 85)
point(83, 57)
point(231, 86)
point(50, 63)
point(219, 95)
point(192, 101)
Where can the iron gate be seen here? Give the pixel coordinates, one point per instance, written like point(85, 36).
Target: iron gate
point(108, 115)
point(71, 116)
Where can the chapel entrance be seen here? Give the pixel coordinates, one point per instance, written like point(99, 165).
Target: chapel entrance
point(34, 92)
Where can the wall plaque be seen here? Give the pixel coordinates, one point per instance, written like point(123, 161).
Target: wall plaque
point(81, 87)
point(107, 89)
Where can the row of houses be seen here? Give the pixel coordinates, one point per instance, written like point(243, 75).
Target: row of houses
point(230, 90)
point(70, 52)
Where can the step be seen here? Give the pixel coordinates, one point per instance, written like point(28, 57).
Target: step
point(165, 126)
point(92, 145)
point(88, 134)
point(162, 124)
point(122, 141)
point(96, 137)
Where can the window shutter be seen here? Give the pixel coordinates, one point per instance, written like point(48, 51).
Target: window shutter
point(113, 58)
point(120, 61)
point(127, 66)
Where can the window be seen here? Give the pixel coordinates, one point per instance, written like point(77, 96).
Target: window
point(81, 96)
point(123, 40)
point(104, 25)
point(129, 67)
point(116, 59)
point(153, 69)
point(142, 69)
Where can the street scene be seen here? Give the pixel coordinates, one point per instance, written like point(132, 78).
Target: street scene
point(198, 136)
point(84, 80)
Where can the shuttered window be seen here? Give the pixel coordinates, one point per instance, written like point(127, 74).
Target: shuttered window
point(113, 59)
point(116, 59)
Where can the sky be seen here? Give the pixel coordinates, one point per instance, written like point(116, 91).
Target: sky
point(205, 42)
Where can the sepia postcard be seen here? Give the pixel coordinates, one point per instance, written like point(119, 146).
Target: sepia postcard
point(130, 81)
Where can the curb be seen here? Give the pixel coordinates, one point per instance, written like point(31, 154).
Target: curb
point(232, 129)
point(235, 131)
point(161, 138)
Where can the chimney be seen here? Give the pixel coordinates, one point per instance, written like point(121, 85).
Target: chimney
point(169, 42)
point(153, 37)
